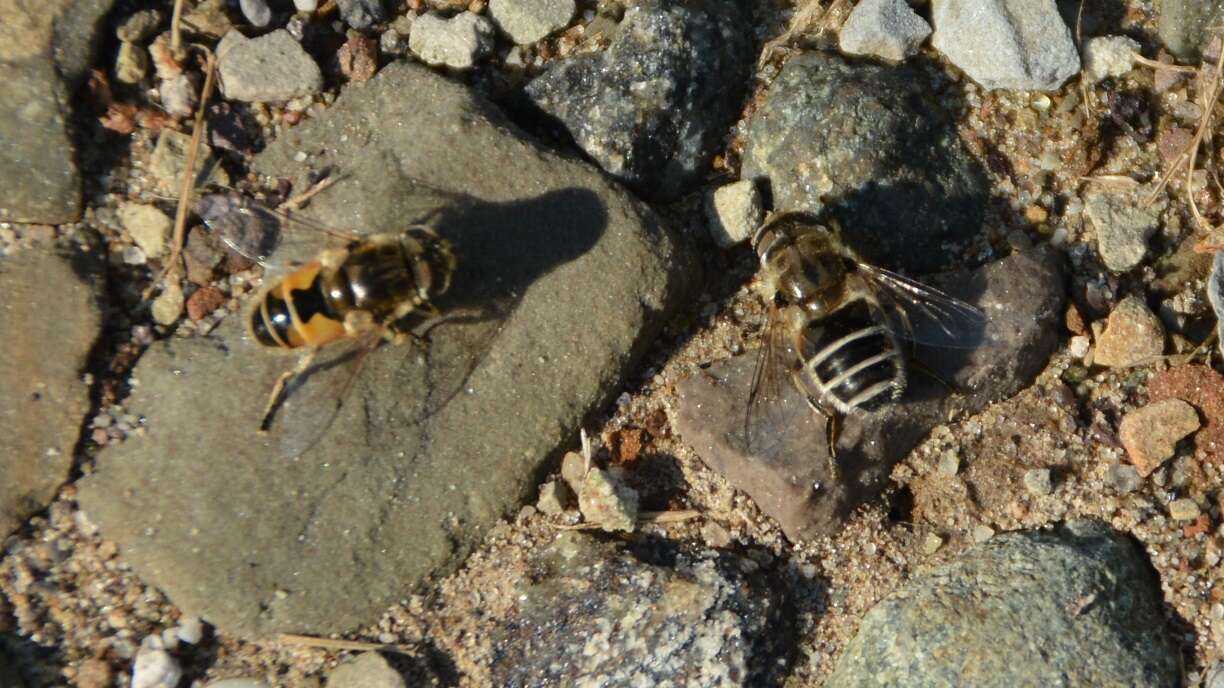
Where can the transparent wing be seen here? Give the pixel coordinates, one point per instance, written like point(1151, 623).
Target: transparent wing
point(924, 314)
point(768, 412)
point(312, 399)
point(255, 230)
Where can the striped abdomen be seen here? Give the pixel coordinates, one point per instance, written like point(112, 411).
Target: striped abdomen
point(297, 312)
point(852, 361)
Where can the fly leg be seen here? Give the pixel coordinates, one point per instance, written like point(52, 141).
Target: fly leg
point(274, 399)
point(832, 434)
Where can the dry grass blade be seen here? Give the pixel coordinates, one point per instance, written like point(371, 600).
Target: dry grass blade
point(188, 181)
point(1161, 65)
point(335, 644)
point(176, 30)
point(644, 518)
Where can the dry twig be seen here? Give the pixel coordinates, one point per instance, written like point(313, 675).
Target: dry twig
point(334, 644)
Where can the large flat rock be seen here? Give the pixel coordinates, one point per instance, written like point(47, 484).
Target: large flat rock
point(792, 479)
point(45, 52)
point(49, 321)
point(568, 277)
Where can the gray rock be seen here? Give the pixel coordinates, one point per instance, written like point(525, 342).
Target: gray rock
point(256, 12)
point(148, 226)
point(367, 670)
point(883, 28)
point(596, 614)
point(432, 447)
point(1215, 676)
point(1037, 482)
point(269, 68)
point(1185, 26)
point(178, 95)
point(362, 14)
point(654, 107)
point(50, 320)
point(46, 51)
point(1076, 606)
point(139, 27)
point(607, 501)
point(527, 21)
point(1123, 224)
point(553, 498)
point(168, 163)
point(457, 42)
point(154, 666)
point(1123, 478)
point(1106, 56)
point(1021, 45)
point(867, 143)
point(734, 212)
point(1215, 295)
point(792, 481)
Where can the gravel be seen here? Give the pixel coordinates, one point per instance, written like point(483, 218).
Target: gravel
point(272, 67)
point(1075, 606)
point(148, 226)
point(362, 14)
point(654, 107)
point(256, 12)
point(1109, 56)
point(734, 211)
point(527, 21)
point(1124, 223)
point(1020, 45)
point(887, 29)
point(139, 26)
point(457, 42)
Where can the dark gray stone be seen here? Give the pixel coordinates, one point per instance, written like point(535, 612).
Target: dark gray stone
point(46, 50)
point(792, 480)
point(49, 323)
point(867, 142)
point(1076, 606)
point(362, 14)
point(598, 614)
point(562, 279)
point(654, 108)
point(1185, 25)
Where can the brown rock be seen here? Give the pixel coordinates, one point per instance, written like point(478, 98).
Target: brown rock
point(1133, 336)
point(358, 57)
point(95, 673)
point(627, 444)
point(203, 301)
point(1204, 388)
point(1150, 433)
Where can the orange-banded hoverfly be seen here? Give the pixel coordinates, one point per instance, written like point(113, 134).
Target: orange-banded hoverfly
point(836, 326)
point(376, 287)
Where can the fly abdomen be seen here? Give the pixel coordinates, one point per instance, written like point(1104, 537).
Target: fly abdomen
point(855, 364)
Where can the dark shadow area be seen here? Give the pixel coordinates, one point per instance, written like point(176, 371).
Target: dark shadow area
point(429, 666)
point(36, 664)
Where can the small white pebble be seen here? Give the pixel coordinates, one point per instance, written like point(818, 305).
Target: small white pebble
point(190, 630)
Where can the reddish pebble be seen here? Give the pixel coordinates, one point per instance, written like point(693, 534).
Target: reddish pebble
point(1204, 388)
point(358, 57)
point(205, 300)
point(95, 673)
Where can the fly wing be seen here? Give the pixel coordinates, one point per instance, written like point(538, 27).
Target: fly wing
point(256, 231)
point(925, 315)
point(768, 410)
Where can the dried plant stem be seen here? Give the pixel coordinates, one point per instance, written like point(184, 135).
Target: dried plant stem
point(644, 518)
point(176, 30)
point(1161, 65)
point(334, 644)
point(1208, 110)
point(188, 181)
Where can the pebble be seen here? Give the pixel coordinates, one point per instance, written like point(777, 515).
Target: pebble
point(573, 470)
point(134, 255)
point(362, 14)
point(1079, 346)
point(204, 301)
point(306, 6)
point(1021, 45)
point(1123, 224)
point(392, 42)
point(607, 502)
point(168, 161)
point(888, 29)
point(457, 42)
point(272, 67)
point(131, 63)
point(168, 306)
point(256, 12)
point(982, 533)
point(1184, 510)
point(358, 57)
point(1037, 482)
point(1123, 478)
point(154, 667)
point(1132, 336)
point(190, 629)
point(1106, 56)
point(178, 95)
point(554, 495)
point(367, 670)
point(95, 673)
point(931, 543)
point(715, 535)
point(949, 464)
point(209, 18)
point(148, 226)
point(139, 27)
point(734, 212)
point(1151, 433)
point(1215, 295)
point(527, 21)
